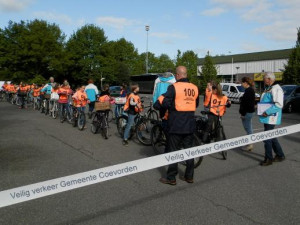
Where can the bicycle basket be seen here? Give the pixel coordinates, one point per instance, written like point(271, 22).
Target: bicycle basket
point(102, 106)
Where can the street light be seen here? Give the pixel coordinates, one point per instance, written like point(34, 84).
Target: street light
point(147, 28)
point(102, 79)
point(237, 71)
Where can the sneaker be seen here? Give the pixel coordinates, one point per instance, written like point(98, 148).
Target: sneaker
point(266, 162)
point(247, 148)
point(278, 159)
point(125, 142)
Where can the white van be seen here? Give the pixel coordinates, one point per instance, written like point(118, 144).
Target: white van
point(233, 91)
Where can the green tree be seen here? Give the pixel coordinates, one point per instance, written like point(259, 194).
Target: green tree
point(84, 50)
point(291, 74)
point(208, 72)
point(163, 63)
point(29, 49)
point(189, 59)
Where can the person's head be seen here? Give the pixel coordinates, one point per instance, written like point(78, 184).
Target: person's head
point(51, 79)
point(209, 85)
point(55, 86)
point(269, 78)
point(217, 89)
point(65, 84)
point(135, 88)
point(90, 81)
point(123, 87)
point(181, 72)
point(247, 82)
point(82, 88)
point(105, 87)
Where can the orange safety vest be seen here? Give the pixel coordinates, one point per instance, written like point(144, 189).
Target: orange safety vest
point(64, 92)
point(208, 94)
point(216, 101)
point(80, 99)
point(5, 87)
point(137, 99)
point(161, 99)
point(23, 89)
point(185, 96)
point(36, 92)
point(104, 98)
point(11, 88)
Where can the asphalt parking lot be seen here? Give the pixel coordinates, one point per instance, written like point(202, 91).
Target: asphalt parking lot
point(35, 148)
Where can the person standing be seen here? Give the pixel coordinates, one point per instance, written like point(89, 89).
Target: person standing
point(132, 106)
point(22, 93)
point(208, 94)
point(273, 94)
point(247, 108)
point(181, 100)
point(92, 91)
point(64, 92)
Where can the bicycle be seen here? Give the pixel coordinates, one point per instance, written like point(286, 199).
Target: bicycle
point(151, 113)
point(36, 103)
point(217, 132)
point(159, 142)
point(78, 117)
point(54, 109)
point(99, 121)
point(142, 128)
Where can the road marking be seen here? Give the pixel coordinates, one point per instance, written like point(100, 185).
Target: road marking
point(67, 183)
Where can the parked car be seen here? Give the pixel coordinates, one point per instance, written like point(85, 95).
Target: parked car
point(291, 100)
point(234, 92)
point(115, 91)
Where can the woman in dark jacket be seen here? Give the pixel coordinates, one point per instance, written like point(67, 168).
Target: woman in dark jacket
point(247, 108)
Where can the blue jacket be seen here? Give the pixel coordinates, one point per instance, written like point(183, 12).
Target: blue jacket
point(47, 89)
point(273, 95)
point(92, 91)
point(161, 86)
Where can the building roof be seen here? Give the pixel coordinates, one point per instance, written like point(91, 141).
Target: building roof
point(248, 57)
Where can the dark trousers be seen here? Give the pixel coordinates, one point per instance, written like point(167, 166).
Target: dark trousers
point(22, 98)
point(272, 144)
point(91, 106)
point(175, 142)
point(212, 121)
point(62, 108)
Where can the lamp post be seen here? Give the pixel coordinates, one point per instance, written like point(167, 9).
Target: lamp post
point(237, 71)
point(102, 79)
point(147, 27)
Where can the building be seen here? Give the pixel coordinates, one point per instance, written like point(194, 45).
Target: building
point(233, 67)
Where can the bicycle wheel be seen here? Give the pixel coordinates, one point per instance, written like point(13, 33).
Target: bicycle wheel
point(121, 124)
point(81, 120)
point(220, 137)
point(158, 139)
point(74, 118)
point(152, 115)
point(55, 111)
point(110, 116)
point(69, 115)
point(143, 132)
point(94, 123)
point(104, 127)
point(197, 160)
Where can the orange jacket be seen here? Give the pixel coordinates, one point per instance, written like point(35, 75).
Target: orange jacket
point(185, 98)
point(136, 99)
point(11, 88)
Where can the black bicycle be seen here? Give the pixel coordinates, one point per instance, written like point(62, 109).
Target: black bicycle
point(78, 118)
point(142, 128)
point(217, 132)
point(99, 121)
point(159, 142)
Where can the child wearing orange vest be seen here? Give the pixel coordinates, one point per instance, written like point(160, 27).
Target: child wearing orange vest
point(80, 99)
point(217, 107)
point(64, 91)
point(132, 106)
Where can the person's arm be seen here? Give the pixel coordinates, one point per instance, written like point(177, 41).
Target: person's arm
point(169, 97)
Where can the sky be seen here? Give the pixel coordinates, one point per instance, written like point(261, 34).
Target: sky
point(218, 26)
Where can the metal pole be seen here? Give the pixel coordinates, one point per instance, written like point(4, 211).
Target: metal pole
point(147, 27)
point(231, 69)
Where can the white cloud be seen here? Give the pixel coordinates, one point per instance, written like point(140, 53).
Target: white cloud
point(61, 18)
point(235, 3)
point(168, 42)
point(115, 22)
point(213, 12)
point(169, 35)
point(14, 5)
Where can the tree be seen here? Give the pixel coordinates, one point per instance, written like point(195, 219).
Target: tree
point(208, 72)
point(29, 49)
point(163, 63)
point(85, 52)
point(291, 74)
point(189, 59)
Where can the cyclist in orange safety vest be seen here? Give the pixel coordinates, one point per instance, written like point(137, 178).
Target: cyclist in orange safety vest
point(64, 92)
point(217, 107)
point(80, 99)
point(132, 106)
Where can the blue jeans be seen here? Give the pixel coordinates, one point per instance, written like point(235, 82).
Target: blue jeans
point(117, 110)
point(81, 109)
point(272, 144)
point(129, 124)
point(247, 123)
